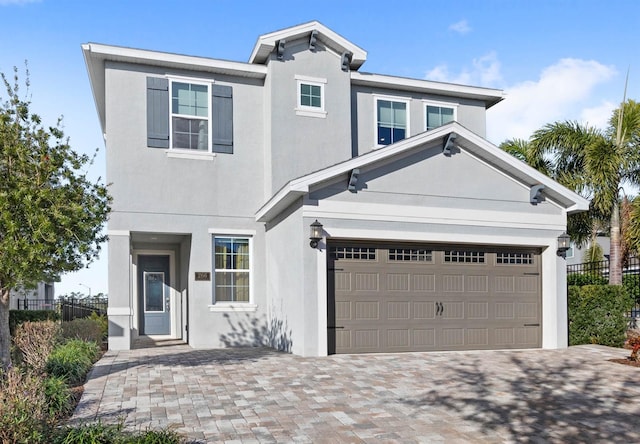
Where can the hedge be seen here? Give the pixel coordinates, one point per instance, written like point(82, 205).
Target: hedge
point(597, 314)
point(17, 317)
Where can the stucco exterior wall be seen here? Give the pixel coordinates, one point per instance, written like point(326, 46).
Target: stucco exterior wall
point(300, 144)
point(191, 199)
point(147, 180)
point(285, 243)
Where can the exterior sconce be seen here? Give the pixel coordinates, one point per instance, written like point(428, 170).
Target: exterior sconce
point(316, 234)
point(564, 242)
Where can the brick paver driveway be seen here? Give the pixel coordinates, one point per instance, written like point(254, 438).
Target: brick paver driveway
point(258, 395)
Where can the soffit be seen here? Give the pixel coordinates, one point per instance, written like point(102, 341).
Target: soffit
point(489, 96)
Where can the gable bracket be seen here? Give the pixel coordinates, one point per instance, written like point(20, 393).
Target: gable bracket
point(535, 194)
point(345, 60)
point(313, 38)
point(448, 144)
point(280, 49)
point(353, 179)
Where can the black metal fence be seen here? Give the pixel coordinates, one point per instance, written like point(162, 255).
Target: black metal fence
point(69, 308)
point(598, 273)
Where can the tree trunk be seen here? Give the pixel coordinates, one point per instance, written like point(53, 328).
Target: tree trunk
point(5, 334)
point(615, 263)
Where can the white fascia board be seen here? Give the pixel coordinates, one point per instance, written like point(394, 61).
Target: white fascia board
point(95, 69)
point(156, 58)
point(266, 43)
point(420, 236)
point(489, 95)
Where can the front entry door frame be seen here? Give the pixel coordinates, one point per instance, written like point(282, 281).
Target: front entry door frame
point(175, 305)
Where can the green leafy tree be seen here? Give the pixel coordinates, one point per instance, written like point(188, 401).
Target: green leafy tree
point(51, 213)
point(597, 164)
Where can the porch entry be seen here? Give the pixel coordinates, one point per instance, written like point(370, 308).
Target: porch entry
point(154, 296)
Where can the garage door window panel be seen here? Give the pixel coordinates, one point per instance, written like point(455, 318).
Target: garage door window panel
point(353, 253)
point(464, 257)
point(410, 255)
point(514, 259)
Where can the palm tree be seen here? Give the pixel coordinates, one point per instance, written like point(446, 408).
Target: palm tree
point(524, 150)
point(597, 164)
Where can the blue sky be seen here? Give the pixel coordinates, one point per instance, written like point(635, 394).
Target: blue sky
point(555, 59)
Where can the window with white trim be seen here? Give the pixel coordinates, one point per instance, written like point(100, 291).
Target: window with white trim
point(190, 116)
point(438, 114)
point(310, 96)
point(232, 256)
point(392, 120)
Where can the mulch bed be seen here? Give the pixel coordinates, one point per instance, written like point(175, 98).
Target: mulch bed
point(626, 361)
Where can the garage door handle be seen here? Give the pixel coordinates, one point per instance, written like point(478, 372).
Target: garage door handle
point(334, 327)
point(532, 325)
point(439, 308)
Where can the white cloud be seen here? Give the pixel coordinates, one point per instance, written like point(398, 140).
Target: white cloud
point(598, 116)
point(566, 90)
point(461, 27)
point(560, 93)
point(485, 71)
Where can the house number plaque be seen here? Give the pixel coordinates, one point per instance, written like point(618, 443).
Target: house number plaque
point(203, 276)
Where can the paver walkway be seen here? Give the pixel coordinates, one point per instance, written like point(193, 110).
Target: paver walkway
point(259, 395)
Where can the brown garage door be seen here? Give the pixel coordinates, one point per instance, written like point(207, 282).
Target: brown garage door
point(400, 297)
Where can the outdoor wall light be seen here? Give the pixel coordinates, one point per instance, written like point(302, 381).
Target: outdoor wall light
point(316, 234)
point(564, 242)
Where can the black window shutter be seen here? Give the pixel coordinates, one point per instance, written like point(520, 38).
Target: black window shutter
point(222, 118)
point(157, 112)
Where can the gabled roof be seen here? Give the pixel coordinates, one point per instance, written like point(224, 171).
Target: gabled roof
point(267, 42)
point(489, 96)
point(465, 139)
point(96, 54)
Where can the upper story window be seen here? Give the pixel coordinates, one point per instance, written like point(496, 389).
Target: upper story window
point(192, 117)
point(392, 118)
point(310, 95)
point(190, 105)
point(439, 114)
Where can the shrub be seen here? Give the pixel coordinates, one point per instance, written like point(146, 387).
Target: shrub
point(631, 282)
point(24, 413)
point(103, 322)
point(113, 433)
point(72, 360)
point(581, 279)
point(86, 329)
point(17, 317)
point(36, 340)
point(597, 314)
point(58, 395)
point(633, 342)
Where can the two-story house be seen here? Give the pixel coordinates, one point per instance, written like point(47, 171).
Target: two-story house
point(430, 237)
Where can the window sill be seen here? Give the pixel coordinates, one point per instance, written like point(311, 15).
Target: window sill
point(233, 307)
point(310, 112)
point(190, 154)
